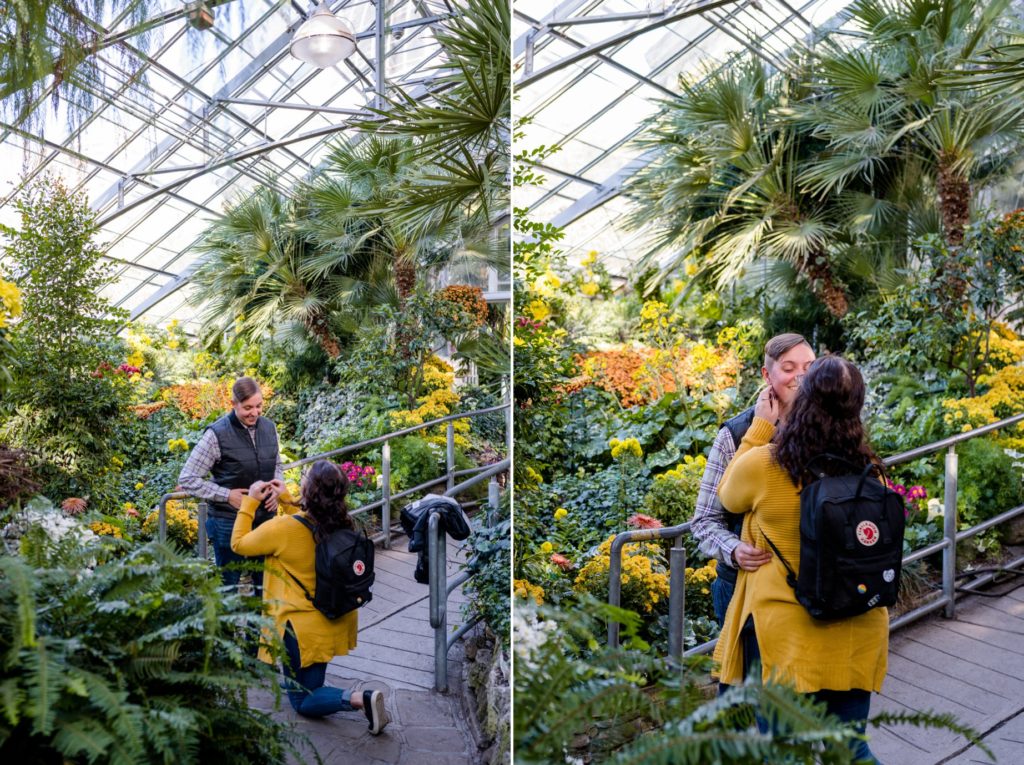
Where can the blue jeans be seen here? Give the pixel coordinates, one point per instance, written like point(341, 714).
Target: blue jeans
point(721, 593)
point(305, 686)
point(851, 706)
point(218, 531)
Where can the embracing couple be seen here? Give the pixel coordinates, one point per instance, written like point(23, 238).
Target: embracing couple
point(750, 493)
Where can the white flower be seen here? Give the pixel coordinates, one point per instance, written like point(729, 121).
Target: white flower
point(935, 509)
point(531, 633)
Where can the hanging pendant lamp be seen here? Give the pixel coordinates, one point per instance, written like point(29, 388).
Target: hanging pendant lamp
point(323, 39)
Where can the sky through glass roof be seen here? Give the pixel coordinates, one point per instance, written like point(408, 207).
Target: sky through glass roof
point(589, 72)
point(185, 121)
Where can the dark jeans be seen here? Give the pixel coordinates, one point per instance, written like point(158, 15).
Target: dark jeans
point(849, 706)
point(721, 593)
point(218, 531)
point(305, 687)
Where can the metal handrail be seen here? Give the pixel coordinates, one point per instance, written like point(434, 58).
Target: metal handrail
point(947, 545)
point(440, 588)
point(387, 498)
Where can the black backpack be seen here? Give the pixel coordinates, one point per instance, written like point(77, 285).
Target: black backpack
point(344, 571)
point(851, 544)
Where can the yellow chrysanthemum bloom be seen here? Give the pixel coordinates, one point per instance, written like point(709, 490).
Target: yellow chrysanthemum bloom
point(547, 548)
point(590, 288)
point(539, 310)
point(524, 589)
point(560, 513)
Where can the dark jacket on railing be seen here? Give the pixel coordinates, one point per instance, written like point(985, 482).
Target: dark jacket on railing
point(416, 522)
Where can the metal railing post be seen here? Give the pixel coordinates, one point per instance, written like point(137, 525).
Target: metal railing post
point(676, 599)
point(493, 500)
point(385, 508)
point(949, 519)
point(162, 532)
point(436, 550)
point(202, 530)
point(450, 453)
point(508, 431)
point(615, 586)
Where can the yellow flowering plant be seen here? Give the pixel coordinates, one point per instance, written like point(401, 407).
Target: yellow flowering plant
point(182, 523)
point(644, 576)
point(524, 589)
point(698, 590)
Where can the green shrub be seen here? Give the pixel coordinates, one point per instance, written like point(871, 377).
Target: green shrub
point(414, 461)
point(67, 399)
point(490, 560)
point(987, 484)
point(673, 495)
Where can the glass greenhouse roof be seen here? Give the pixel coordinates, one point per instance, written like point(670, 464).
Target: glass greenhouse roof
point(185, 121)
point(588, 73)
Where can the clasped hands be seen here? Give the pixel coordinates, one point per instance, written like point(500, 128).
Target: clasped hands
point(266, 492)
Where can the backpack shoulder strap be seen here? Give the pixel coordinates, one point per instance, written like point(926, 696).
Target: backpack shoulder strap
point(312, 528)
point(305, 522)
point(790, 573)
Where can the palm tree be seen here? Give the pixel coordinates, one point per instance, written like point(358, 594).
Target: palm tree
point(463, 132)
point(254, 274)
point(724, 188)
point(884, 104)
point(348, 216)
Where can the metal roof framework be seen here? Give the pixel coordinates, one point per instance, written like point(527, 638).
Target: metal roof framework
point(205, 117)
point(588, 73)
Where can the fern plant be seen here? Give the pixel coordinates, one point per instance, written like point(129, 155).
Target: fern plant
point(568, 684)
point(129, 659)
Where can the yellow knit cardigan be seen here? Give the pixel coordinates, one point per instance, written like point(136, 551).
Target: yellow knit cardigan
point(289, 548)
point(796, 649)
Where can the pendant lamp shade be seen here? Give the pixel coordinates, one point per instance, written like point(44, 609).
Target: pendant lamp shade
point(323, 39)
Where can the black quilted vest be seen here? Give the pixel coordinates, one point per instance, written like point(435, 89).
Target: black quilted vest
point(242, 462)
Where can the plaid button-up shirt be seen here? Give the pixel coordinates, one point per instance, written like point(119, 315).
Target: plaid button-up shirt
point(708, 523)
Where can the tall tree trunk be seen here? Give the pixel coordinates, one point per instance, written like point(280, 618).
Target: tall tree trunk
point(823, 283)
point(405, 284)
point(316, 325)
point(955, 206)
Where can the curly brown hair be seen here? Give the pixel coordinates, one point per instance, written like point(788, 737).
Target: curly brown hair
point(323, 498)
point(825, 419)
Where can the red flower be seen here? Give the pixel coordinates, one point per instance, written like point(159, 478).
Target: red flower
point(561, 561)
point(642, 521)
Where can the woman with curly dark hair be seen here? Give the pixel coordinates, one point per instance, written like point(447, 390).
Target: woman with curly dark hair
point(311, 640)
point(840, 662)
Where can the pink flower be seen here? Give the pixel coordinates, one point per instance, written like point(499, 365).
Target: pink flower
point(642, 521)
point(73, 506)
point(131, 512)
point(561, 561)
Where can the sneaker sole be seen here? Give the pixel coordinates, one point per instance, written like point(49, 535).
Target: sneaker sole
point(380, 716)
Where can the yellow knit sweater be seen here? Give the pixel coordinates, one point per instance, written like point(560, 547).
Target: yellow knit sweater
point(796, 649)
point(289, 548)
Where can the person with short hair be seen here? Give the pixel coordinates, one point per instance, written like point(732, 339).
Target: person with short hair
point(839, 661)
point(239, 448)
point(786, 359)
point(311, 640)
